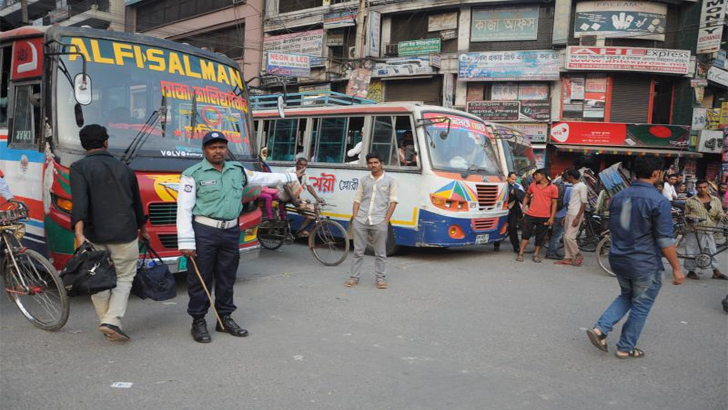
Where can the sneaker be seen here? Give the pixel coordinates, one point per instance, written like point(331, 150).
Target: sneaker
point(381, 284)
point(113, 333)
point(351, 282)
point(692, 275)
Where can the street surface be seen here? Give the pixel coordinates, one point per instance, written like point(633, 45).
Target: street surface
point(457, 329)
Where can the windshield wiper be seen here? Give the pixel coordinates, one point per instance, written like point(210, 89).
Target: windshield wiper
point(138, 141)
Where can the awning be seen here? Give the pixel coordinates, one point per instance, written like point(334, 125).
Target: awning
point(636, 151)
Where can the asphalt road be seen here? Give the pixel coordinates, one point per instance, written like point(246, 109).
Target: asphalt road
point(457, 329)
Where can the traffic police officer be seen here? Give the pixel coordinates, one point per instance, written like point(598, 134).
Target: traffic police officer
point(208, 206)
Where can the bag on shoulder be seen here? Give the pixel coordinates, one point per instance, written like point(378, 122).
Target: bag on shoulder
point(153, 279)
point(89, 271)
point(562, 193)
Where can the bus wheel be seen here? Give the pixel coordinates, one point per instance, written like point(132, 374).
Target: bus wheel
point(392, 248)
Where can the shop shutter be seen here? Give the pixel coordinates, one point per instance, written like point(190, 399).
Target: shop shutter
point(427, 90)
point(630, 98)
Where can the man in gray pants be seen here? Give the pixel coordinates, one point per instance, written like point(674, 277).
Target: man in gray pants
point(374, 203)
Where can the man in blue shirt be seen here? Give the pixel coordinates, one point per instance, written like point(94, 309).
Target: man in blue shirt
point(641, 229)
point(557, 230)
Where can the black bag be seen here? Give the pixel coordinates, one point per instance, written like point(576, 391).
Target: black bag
point(89, 271)
point(153, 279)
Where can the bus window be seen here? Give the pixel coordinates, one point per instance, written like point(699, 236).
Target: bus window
point(25, 114)
point(384, 140)
point(407, 153)
point(334, 137)
point(282, 140)
point(4, 83)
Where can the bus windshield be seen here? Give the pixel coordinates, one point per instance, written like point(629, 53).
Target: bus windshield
point(518, 152)
point(459, 144)
point(129, 82)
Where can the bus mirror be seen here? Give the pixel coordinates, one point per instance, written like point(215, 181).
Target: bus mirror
point(78, 111)
point(82, 89)
point(281, 105)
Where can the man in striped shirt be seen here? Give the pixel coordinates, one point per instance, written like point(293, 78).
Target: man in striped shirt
point(709, 213)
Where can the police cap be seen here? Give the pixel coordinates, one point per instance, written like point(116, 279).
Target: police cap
point(213, 136)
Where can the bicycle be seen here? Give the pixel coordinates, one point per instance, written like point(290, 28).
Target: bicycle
point(30, 280)
point(328, 240)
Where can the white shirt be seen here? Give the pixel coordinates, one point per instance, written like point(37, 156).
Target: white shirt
point(668, 191)
point(304, 179)
point(5, 189)
point(578, 196)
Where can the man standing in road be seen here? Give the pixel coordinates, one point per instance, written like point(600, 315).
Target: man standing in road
point(707, 213)
point(540, 205)
point(557, 229)
point(374, 204)
point(641, 229)
point(108, 213)
point(515, 197)
point(574, 215)
point(208, 207)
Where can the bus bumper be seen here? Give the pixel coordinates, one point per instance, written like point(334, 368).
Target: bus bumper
point(445, 231)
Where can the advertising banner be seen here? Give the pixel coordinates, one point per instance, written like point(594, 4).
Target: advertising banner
point(288, 65)
point(305, 42)
point(509, 66)
point(651, 60)
point(403, 67)
point(536, 133)
point(504, 91)
point(334, 39)
point(359, 80)
point(339, 19)
point(719, 76)
point(710, 142)
point(533, 91)
point(504, 24)
point(618, 134)
point(440, 22)
point(629, 19)
point(710, 32)
point(374, 34)
point(495, 110)
point(700, 118)
point(419, 47)
point(535, 110)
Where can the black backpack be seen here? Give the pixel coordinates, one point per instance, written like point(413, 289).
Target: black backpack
point(562, 192)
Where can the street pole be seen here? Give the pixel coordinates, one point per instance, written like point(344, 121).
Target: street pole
point(360, 31)
point(24, 11)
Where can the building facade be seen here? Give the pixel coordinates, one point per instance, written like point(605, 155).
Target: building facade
point(101, 14)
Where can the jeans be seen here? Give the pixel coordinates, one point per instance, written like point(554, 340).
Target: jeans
point(637, 297)
point(557, 232)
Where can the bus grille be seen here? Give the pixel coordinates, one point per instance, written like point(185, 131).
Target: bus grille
point(485, 224)
point(487, 196)
point(163, 213)
point(168, 240)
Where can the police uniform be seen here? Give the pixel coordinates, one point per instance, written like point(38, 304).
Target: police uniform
point(208, 207)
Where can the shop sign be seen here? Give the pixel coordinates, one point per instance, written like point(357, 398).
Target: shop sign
point(720, 61)
point(495, 110)
point(436, 60)
point(339, 19)
point(537, 133)
point(288, 65)
point(710, 142)
point(713, 118)
point(533, 91)
point(712, 16)
point(652, 60)
point(504, 24)
point(723, 120)
point(276, 81)
point(535, 110)
point(419, 47)
point(504, 91)
point(359, 80)
point(621, 19)
point(305, 42)
point(700, 118)
point(448, 34)
point(444, 21)
point(374, 34)
point(334, 39)
point(619, 134)
point(509, 66)
point(403, 67)
point(719, 76)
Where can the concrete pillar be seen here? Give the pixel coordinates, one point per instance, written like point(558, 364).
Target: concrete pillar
point(117, 11)
point(461, 87)
point(562, 18)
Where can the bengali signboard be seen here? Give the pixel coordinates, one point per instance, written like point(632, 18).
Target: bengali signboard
point(339, 19)
point(509, 66)
point(536, 133)
point(504, 24)
point(334, 39)
point(419, 47)
point(288, 65)
point(403, 67)
point(535, 110)
point(310, 43)
point(651, 60)
point(710, 32)
point(444, 21)
point(628, 19)
point(374, 34)
point(619, 134)
point(495, 110)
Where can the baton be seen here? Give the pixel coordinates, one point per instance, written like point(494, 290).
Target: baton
point(207, 292)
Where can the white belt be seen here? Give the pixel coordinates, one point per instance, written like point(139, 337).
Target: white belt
point(216, 223)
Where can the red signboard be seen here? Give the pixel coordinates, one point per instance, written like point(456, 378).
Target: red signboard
point(618, 134)
point(27, 58)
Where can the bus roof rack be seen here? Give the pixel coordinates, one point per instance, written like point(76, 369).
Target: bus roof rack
point(306, 98)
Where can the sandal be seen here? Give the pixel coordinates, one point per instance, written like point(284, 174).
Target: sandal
point(536, 259)
point(564, 262)
point(519, 258)
point(578, 260)
point(351, 282)
point(598, 340)
point(633, 354)
point(720, 276)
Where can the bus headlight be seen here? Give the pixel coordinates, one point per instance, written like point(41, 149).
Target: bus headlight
point(455, 232)
point(449, 204)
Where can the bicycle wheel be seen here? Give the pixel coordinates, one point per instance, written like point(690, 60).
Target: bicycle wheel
point(329, 243)
point(271, 238)
point(588, 239)
point(36, 289)
point(603, 254)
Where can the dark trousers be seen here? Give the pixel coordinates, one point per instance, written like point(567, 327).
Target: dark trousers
point(513, 229)
point(217, 259)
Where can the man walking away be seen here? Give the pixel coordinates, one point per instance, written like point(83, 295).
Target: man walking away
point(208, 207)
point(374, 204)
point(557, 229)
point(540, 205)
point(641, 229)
point(574, 215)
point(108, 213)
point(515, 198)
point(707, 213)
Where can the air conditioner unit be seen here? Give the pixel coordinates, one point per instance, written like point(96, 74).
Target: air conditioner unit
point(352, 53)
point(588, 41)
point(391, 50)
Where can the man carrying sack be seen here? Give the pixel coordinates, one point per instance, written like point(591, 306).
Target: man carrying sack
point(108, 213)
point(208, 206)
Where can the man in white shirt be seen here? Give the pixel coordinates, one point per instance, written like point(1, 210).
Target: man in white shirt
point(577, 205)
point(668, 190)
